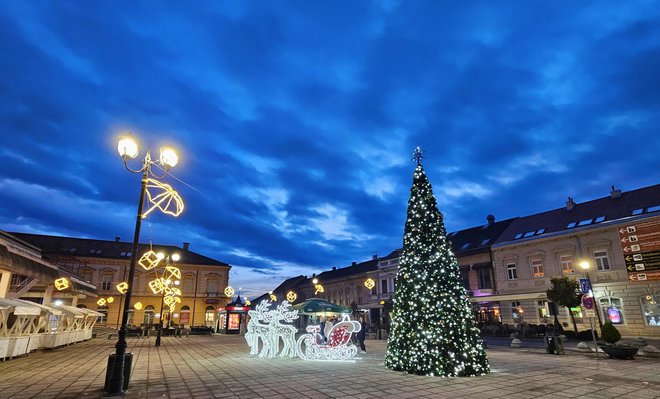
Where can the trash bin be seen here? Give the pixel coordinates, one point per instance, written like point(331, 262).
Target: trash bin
point(550, 344)
point(127, 371)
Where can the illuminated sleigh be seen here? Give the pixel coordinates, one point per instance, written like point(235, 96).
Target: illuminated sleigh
point(339, 346)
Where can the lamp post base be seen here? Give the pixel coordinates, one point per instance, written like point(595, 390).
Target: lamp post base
point(113, 382)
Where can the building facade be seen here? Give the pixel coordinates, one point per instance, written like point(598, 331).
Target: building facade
point(105, 264)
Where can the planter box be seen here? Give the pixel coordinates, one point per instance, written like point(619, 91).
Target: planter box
point(620, 351)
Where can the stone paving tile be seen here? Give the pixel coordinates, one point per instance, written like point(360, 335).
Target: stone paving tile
point(219, 367)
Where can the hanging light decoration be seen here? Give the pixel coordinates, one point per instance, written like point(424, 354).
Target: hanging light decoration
point(229, 291)
point(62, 284)
point(369, 283)
point(291, 296)
point(122, 287)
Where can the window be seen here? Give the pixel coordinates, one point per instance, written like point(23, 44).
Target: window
point(148, 317)
point(584, 222)
point(465, 246)
point(638, 211)
point(566, 264)
point(516, 312)
point(517, 236)
point(612, 309)
point(650, 310)
point(599, 219)
point(571, 225)
point(106, 281)
point(601, 260)
point(529, 234)
point(653, 209)
point(511, 271)
point(540, 231)
point(212, 285)
point(537, 268)
point(485, 242)
point(465, 278)
point(383, 286)
point(87, 274)
point(188, 285)
point(483, 276)
point(543, 309)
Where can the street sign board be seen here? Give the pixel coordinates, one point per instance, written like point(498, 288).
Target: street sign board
point(640, 243)
point(585, 285)
point(587, 301)
point(589, 313)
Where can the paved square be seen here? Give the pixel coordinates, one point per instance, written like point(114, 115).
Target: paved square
point(220, 367)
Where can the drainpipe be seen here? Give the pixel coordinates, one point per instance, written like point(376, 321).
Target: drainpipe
point(192, 323)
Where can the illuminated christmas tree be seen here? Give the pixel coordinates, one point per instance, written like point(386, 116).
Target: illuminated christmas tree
point(433, 330)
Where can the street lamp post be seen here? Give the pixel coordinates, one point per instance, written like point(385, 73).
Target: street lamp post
point(585, 266)
point(116, 375)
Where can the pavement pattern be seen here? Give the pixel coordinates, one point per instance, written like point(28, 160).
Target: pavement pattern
point(220, 367)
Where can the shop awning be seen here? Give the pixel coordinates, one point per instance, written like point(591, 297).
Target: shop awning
point(20, 308)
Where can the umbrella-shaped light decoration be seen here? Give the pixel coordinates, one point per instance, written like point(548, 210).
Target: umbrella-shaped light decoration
point(273, 298)
point(318, 288)
point(291, 296)
point(369, 283)
point(229, 291)
point(62, 284)
point(149, 260)
point(173, 273)
point(122, 287)
point(162, 196)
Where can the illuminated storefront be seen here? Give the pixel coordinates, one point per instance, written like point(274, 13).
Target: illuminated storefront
point(232, 317)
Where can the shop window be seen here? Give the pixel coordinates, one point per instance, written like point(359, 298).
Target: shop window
point(537, 268)
point(566, 264)
point(544, 310)
point(612, 309)
point(511, 271)
point(650, 310)
point(602, 261)
point(148, 317)
point(483, 276)
point(516, 312)
point(209, 316)
point(184, 315)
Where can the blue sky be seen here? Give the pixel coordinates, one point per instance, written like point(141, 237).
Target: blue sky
point(295, 120)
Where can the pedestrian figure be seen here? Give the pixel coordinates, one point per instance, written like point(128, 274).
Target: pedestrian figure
point(362, 334)
point(322, 329)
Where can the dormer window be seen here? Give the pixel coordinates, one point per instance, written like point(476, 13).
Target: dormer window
point(465, 246)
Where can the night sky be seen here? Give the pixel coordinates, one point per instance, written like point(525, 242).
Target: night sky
point(295, 121)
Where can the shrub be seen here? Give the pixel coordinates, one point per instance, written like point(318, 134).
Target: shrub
point(610, 334)
point(581, 336)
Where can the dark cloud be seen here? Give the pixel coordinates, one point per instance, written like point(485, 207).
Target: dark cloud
point(295, 123)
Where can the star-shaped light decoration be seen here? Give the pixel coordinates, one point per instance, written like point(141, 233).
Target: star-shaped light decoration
point(149, 260)
point(369, 283)
point(122, 287)
point(61, 284)
point(163, 197)
point(229, 291)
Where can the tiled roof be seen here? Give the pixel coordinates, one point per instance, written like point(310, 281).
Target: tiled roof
point(342, 272)
point(589, 213)
point(83, 247)
point(477, 239)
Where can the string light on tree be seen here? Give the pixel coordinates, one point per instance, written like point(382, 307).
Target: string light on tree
point(433, 331)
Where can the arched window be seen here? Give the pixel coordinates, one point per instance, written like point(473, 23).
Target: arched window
point(148, 317)
point(612, 309)
point(209, 317)
point(650, 310)
point(184, 315)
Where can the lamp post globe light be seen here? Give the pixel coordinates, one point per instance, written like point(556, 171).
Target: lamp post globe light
point(119, 363)
point(585, 265)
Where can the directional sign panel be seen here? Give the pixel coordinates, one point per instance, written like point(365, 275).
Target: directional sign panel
point(640, 243)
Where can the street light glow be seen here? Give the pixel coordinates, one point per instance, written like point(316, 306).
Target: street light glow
point(127, 148)
point(176, 257)
point(168, 157)
point(584, 265)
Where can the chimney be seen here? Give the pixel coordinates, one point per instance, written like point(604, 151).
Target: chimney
point(334, 268)
point(117, 238)
point(374, 257)
point(491, 219)
point(186, 245)
point(615, 193)
point(353, 263)
point(570, 204)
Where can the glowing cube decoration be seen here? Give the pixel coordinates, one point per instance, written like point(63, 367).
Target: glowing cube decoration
point(156, 286)
point(122, 287)
point(149, 260)
point(61, 284)
point(101, 302)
